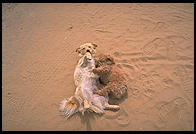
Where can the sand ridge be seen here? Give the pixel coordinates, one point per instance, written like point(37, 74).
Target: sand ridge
point(152, 43)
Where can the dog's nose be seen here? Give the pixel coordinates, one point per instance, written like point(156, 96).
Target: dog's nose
point(88, 51)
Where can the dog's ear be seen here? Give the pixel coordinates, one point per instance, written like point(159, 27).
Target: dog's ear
point(78, 50)
point(110, 60)
point(95, 45)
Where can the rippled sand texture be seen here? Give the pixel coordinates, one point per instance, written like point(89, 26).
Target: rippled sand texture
point(152, 43)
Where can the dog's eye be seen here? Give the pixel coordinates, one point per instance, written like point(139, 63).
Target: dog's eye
point(108, 59)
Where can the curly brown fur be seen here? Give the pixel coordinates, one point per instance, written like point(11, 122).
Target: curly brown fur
point(111, 81)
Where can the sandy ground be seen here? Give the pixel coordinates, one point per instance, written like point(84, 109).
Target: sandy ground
point(152, 43)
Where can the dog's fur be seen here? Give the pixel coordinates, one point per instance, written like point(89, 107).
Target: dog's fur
point(113, 82)
point(85, 81)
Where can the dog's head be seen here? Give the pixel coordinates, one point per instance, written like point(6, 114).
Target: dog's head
point(87, 47)
point(102, 60)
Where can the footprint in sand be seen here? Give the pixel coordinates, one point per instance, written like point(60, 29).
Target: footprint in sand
point(173, 110)
point(149, 88)
point(153, 46)
point(149, 83)
point(186, 77)
point(188, 88)
point(176, 114)
point(123, 119)
point(111, 114)
point(120, 117)
point(171, 51)
point(180, 73)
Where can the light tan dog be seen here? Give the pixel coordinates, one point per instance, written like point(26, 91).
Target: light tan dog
point(85, 81)
point(87, 48)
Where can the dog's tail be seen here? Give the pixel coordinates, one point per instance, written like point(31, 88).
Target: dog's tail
point(69, 106)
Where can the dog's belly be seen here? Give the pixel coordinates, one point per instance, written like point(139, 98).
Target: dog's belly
point(86, 79)
point(79, 74)
point(87, 86)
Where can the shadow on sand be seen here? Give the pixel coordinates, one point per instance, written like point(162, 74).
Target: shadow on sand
point(86, 119)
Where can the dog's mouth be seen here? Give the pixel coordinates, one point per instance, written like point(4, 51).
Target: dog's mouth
point(88, 51)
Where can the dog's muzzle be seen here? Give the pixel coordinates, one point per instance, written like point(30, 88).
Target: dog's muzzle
point(88, 55)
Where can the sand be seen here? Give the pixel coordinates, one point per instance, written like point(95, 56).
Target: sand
point(152, 43)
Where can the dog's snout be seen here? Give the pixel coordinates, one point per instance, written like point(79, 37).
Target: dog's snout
point(88, 50)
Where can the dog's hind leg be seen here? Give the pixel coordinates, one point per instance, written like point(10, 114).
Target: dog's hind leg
point(86, 105)
point(111, 107)
point(96, 109)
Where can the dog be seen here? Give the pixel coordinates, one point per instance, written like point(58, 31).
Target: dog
point(112, 81)
point(85, 80)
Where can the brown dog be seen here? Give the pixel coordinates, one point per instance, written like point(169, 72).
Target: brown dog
point(112, 81)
